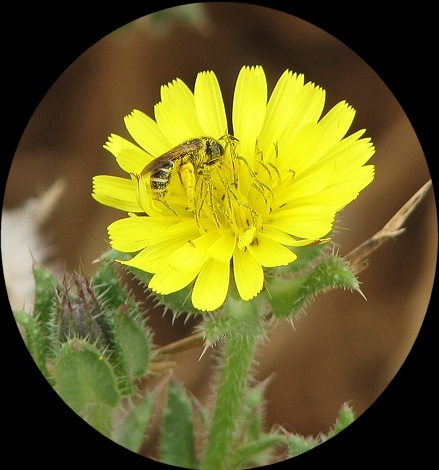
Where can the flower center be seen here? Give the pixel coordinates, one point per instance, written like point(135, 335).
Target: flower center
point(236, 194)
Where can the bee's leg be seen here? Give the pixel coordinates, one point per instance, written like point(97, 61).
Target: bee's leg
point(165, 203)
point(188, 180)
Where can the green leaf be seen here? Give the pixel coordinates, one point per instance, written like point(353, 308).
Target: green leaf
point(131, 432)
point(86, 382)
point(177, 443)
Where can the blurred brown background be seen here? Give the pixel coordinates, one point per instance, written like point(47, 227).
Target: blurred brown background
point(345, 348)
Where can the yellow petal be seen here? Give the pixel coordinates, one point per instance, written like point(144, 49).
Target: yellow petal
point(144, 195)
point(152, 258)
point(248, 273)
point(222, 249)
point(129, 157)
point(299, 150)
point(194, 253)
point(211, 286)
point(269, 253)
point(188, 257)
point(167, 280)
point(176, 115)
point(278, 236)
point(304, 221)
point(249, 106)
point(115, 192)
point(246, 238)
point(135, 233)
point(343, 192)
point(209, 105)
point(338, 120)
point(349, 153)
point(279, 109)
point(146, 133)
point(307, 108)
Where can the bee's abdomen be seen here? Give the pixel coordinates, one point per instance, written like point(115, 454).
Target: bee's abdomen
point(159, 180)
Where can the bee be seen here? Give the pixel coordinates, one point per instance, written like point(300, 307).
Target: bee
point(188, 159)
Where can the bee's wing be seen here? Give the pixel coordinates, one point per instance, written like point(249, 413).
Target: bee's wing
point(171, 156)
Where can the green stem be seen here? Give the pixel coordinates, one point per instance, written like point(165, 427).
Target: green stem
point(238, 355)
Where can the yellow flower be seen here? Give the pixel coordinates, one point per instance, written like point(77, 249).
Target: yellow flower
point(281, 176)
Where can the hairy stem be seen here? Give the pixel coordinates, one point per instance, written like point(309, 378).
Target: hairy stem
point(238, 355)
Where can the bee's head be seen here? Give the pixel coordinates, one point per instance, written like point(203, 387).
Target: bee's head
point(214, 150)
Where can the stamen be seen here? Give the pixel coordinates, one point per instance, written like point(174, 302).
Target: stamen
point(277, 172)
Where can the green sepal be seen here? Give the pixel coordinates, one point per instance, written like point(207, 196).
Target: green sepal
point(35, 341)
point(177, 440)
point(178, 302)
point(131, 432)
point(306, 256)
point(288, 296)
point(86, 382)
point(106, 282)
point(237, 318)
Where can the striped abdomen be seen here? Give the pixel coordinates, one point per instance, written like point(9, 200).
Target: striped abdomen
point(159, 180)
